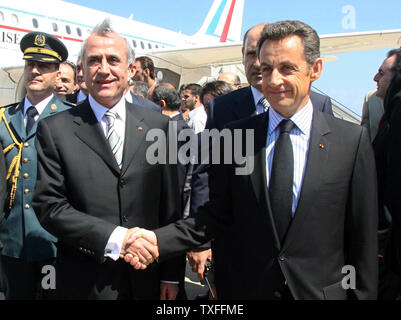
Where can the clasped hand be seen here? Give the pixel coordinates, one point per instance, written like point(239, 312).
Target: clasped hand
point(140, 248)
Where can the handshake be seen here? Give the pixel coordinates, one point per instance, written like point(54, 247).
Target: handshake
point(139, 248)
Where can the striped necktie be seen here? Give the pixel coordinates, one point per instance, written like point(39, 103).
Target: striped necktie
point(264, 103)
point(113, 138)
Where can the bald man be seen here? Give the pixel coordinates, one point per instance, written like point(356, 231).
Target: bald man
point(231, 78)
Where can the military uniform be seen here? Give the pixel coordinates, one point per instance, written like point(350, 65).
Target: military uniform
point(25, 242)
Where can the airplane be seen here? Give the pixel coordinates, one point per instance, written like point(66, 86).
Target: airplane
point(73, 23)
point(184, 58)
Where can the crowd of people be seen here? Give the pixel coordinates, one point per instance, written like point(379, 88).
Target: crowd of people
point(80, 195)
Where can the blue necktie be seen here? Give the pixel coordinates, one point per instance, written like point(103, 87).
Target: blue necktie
point(31, 114)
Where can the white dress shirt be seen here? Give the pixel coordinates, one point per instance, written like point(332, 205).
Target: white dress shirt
point(174, 114)
point(300, 136)
point(128, 96)
point(197, 119)
point(39, 107)
point(81, 96)
point(257, 95)
point(113, 247)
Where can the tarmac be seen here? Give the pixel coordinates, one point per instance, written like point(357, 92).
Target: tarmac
point(193, 286)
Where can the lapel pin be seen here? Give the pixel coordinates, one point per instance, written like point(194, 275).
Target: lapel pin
point(321, 146)
point(140, 128)
point(53, 107)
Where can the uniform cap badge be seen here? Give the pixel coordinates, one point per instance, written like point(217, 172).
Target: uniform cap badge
point(40, 40)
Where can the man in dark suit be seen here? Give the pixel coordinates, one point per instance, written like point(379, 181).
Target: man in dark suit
point(387, 154)
point(93, 208)
point(27, 246)
point(308, 209)
point(230, 107)
point(166, 96)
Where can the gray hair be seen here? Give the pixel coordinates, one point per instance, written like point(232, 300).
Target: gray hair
point(284, 29)
point(141, 88)
point(102, 29)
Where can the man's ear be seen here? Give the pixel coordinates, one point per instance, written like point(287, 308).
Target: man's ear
point(198, 99)
point(57, 79)
point(131, 70)
point(316, 69)
point(162, 104)
point(146, 71)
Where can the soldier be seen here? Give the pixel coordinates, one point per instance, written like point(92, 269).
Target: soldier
point(27, 247)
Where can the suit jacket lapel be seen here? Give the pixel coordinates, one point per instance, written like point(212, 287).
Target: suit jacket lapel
point(135, 133)
point(89, 130)
point(319, 148)
point(245, 105)
point(258, 176)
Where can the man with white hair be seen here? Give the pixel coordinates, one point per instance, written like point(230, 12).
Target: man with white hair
point(93, 208)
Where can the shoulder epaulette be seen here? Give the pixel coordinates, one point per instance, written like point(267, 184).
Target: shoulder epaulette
point(70, 104)
point(10, 105)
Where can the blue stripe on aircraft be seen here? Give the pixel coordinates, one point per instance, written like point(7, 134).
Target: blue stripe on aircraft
point(21, 11)
point(213, 24)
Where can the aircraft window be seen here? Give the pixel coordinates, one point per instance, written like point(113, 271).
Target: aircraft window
point(68, 29)
point(14, 19)
point(55, 27)
point(134, 43)
point(79, 32)
point(142, 45)
point(1, 16)
point(35, 23)
point(149, 45)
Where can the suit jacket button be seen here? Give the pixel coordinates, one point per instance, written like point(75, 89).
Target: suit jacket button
point(122, 183)
point(26, 175)
point(125, 219)
point(26, 144)
point(282, 258)
point(26, 191)
point(25, 160)
point(277, 294)
point(27, 206)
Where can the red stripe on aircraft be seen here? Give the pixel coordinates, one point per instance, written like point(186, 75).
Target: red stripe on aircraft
point(224, 35)
point(27, 31)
